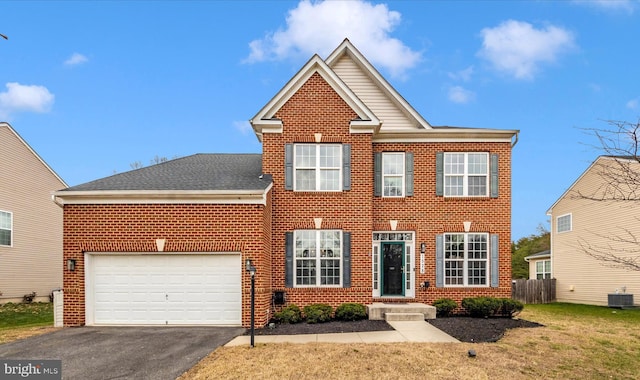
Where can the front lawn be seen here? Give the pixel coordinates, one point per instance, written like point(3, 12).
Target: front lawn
point(19, 320)
point(577, 342)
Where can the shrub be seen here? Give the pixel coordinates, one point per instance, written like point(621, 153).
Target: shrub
point(510, 308)
point(351, 312)
point(289, 314)
point(318, 313)
point(444, 306)
point(481, 307)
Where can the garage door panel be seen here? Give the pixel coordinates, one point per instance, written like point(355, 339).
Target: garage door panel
point(166, 289)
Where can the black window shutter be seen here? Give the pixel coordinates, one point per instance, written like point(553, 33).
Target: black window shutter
point(377, 174)
point(408, 175)
point(346, 259)
point(439, 174)
point(288, 166)
point(439, 261)
point(495, 269)
point(288, 249)
point(494, 176)
point(346, 167)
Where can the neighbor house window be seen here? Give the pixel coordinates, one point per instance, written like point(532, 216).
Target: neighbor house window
point(466, 174)
point(318, 167)
point(466, 260)
point(393, 174)
point(6, 228)
point(563, 223)
point(543, 269)
point(318, 257)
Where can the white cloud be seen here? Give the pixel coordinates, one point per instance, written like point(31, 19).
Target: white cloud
point(243, 126)
point(319, 27)
point(519, 49)
point(633, 103)
point(25, 98)
point(463, 75)
point(460, 95)
point(627, 6)
point(76, 59)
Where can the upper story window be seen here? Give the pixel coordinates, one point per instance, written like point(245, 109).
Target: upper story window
point(466, 174)
point(563, 223)
point(393, 174)
point(317, 167)
point(6, 228)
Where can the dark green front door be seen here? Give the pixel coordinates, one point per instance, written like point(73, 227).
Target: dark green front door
point(392, 269)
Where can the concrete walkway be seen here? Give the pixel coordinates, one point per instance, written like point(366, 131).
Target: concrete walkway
point(405, 331)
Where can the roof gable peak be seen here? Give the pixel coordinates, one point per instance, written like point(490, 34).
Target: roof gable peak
point(265, 122)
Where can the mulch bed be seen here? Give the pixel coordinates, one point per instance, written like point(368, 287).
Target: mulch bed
point(465, 329)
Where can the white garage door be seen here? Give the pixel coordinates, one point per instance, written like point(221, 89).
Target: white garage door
point(163, 289)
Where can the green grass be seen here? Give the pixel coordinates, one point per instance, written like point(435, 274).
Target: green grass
point(577, 311)
point(13, 315)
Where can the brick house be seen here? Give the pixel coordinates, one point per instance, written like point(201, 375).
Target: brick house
point(355, 198)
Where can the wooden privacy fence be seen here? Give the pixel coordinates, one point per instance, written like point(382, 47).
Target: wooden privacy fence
point(534, 291)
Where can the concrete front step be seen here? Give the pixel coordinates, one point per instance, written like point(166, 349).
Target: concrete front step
point(404, 317)
point(378, 310)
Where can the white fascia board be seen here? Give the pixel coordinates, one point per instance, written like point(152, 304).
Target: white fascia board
point(258, 197)
point(347, 48)
point(446, 135)
point(264, 121)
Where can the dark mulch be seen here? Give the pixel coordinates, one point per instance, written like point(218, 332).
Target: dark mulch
point(477, 330)
point(465, 329)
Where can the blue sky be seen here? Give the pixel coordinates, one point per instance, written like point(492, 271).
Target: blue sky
point(96, 86)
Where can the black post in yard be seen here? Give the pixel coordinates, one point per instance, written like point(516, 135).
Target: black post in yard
point(253, 299)
point(252, 271)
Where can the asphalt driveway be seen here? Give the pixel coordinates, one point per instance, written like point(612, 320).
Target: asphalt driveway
point(96, 353)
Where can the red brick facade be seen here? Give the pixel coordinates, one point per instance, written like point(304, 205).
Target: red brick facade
point(258, 231)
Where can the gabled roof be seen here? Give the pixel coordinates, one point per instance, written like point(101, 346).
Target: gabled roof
point(8, 126)
point(265, 121)
point(347, 48)
point(217, 178)
point(603, 157)
point(540, 255)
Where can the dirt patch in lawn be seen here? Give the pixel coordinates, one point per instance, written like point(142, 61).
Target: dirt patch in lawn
point(464, 329)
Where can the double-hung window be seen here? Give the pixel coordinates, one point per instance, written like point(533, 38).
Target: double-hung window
point(318, 257)
point(6, 228)
point(563, 223)
point(543, 269)
point(466, 174)
point(466, 259)
point(318, 167)
point(393, 174)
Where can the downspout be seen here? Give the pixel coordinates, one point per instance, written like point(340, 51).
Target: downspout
point(516, 140)
point(55, 200)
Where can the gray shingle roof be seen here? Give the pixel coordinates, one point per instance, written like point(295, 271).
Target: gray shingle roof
point(196, 172)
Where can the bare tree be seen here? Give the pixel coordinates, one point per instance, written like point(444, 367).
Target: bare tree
point(619, 186)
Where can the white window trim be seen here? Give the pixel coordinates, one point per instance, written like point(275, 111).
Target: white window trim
point(410, 264)
point(402, 176)
point(10, 228)
point(465, 176)
point(570, 223)
point(317, 169)
point(318, 259)
point(543, 272)
point(465, 268)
